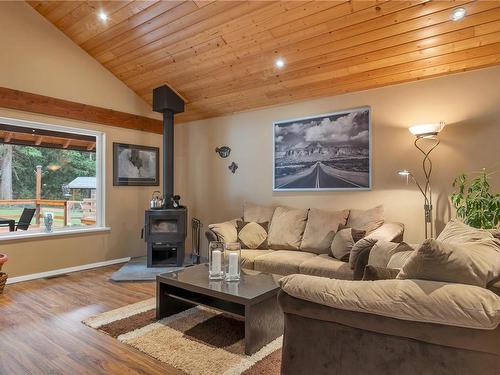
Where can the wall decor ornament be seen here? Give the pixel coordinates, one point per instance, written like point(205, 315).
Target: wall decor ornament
point(324, 152)
point(135, 165)
point(223, 151)
point(233, 167)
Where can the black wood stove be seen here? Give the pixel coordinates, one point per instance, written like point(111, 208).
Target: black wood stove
point(165, 229)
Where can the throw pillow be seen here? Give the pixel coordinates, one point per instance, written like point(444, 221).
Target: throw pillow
point(343, 242)
point(286, 229)
point(257, 213)
point(373, 273)
point(367, 220)
point(475, 263)
point(226, 231)
point(252, 235)
point(399, 259)
point(457, 231)
point(320, 229)
point(364, 244)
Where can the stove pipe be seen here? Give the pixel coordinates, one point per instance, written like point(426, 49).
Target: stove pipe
point(167, 102)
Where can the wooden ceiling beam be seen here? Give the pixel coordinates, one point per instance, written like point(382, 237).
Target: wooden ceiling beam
point(25, 101)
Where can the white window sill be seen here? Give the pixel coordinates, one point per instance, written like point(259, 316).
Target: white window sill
point(14, 236)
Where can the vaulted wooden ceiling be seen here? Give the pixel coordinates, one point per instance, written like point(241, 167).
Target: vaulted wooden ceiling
point(220, 55)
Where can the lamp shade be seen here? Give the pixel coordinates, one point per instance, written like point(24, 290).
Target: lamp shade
point(426, 130)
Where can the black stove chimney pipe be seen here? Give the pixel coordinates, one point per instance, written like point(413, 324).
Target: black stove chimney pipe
point(167, 102)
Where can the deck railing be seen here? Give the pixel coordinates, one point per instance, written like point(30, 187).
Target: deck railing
point(61, 208)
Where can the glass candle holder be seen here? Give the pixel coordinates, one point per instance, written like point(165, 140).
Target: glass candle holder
point(216, 260)
point(233, 259)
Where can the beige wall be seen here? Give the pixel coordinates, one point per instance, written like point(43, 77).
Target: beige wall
point(38, 58)
point(468, 103)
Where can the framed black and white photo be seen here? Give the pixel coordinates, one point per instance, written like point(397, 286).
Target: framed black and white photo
point(135, 165)
point(324, 152)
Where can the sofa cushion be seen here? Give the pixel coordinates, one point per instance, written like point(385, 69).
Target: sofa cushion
point(226, 231)
point(475, 263)
point(373, 273)
point(398, 259)
point(364, 244)
point(252, 235)
point(326, 266)
point(257, 213)
point(248, 257)
point(344, 241)
point(287, 228)
point(367, 220)
point(281, 262)
point(320, 229)
point(414, 300)
point(382, 251)
point(457, 231)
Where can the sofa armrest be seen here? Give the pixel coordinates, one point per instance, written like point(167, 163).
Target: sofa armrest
point(391, 232)
point(456, 337)
point(425, 301)
point(211, 236)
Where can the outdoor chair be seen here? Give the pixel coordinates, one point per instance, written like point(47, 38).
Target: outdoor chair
point(25, 219)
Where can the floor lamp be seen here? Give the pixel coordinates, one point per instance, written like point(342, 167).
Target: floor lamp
point(421, 132)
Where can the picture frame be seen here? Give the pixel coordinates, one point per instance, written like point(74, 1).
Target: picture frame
point(135, 165)
point(325, 152)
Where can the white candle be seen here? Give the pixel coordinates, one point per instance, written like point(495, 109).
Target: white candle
point(233, 264)
point(216, 261)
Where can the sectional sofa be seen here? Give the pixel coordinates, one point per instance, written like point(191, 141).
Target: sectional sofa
point(299, 240)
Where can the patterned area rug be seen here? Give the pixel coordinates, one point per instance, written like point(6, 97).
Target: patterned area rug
point(197, 341)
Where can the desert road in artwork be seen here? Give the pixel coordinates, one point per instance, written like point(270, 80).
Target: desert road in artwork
point(317, 177)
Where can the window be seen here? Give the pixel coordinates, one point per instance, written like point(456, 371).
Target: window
point(50, 178)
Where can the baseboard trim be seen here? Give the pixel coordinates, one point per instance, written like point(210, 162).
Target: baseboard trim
point(62, 271)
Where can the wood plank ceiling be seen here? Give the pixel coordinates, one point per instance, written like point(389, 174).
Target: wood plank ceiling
point(220, 55)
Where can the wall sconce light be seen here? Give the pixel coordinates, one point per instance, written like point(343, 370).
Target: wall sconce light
point(429, 132)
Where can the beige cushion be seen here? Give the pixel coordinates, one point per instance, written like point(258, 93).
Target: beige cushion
point(398, 259)
point(281, 262)
point(457, 231)
point(360, 246)
point(257, 213)
point(326, 266)
point(474, 263)
point(392, 232)
point(344, 241)
point(367, 220)
point(373, 273)
point(414, 300)
point(287, 228)
point(252, 235)
point(320, 229)
point(226, 231)
point(248, 257)
point(382, 252)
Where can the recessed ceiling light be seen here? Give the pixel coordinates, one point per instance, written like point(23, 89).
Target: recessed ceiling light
point(102, 16)
point(457, 14)
point(279, 63)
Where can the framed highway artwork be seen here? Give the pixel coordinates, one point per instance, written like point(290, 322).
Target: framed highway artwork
point(324, 152)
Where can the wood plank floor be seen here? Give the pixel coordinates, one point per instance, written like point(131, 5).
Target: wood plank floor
point(41, 330)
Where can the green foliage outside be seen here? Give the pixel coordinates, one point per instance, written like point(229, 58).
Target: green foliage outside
point(59, 167)
point(474, 202)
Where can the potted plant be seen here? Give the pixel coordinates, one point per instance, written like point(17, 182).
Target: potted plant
point(3, 275)
point(475, 204)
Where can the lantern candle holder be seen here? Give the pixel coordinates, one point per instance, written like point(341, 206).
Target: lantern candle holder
point(233, 260)
point(216, 260)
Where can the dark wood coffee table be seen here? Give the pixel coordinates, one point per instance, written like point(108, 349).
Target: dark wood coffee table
point(253, 298)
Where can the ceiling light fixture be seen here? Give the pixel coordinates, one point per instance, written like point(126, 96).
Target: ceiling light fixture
point(457, 14)
point(279, 63)
point(102, 16)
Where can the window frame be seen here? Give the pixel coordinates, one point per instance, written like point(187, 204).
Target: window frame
point(100, 150)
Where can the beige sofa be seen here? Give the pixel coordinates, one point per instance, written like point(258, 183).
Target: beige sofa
point(300, 239)
point(403, 325)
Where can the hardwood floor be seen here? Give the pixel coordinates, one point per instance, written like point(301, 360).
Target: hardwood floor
point(41, 330)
